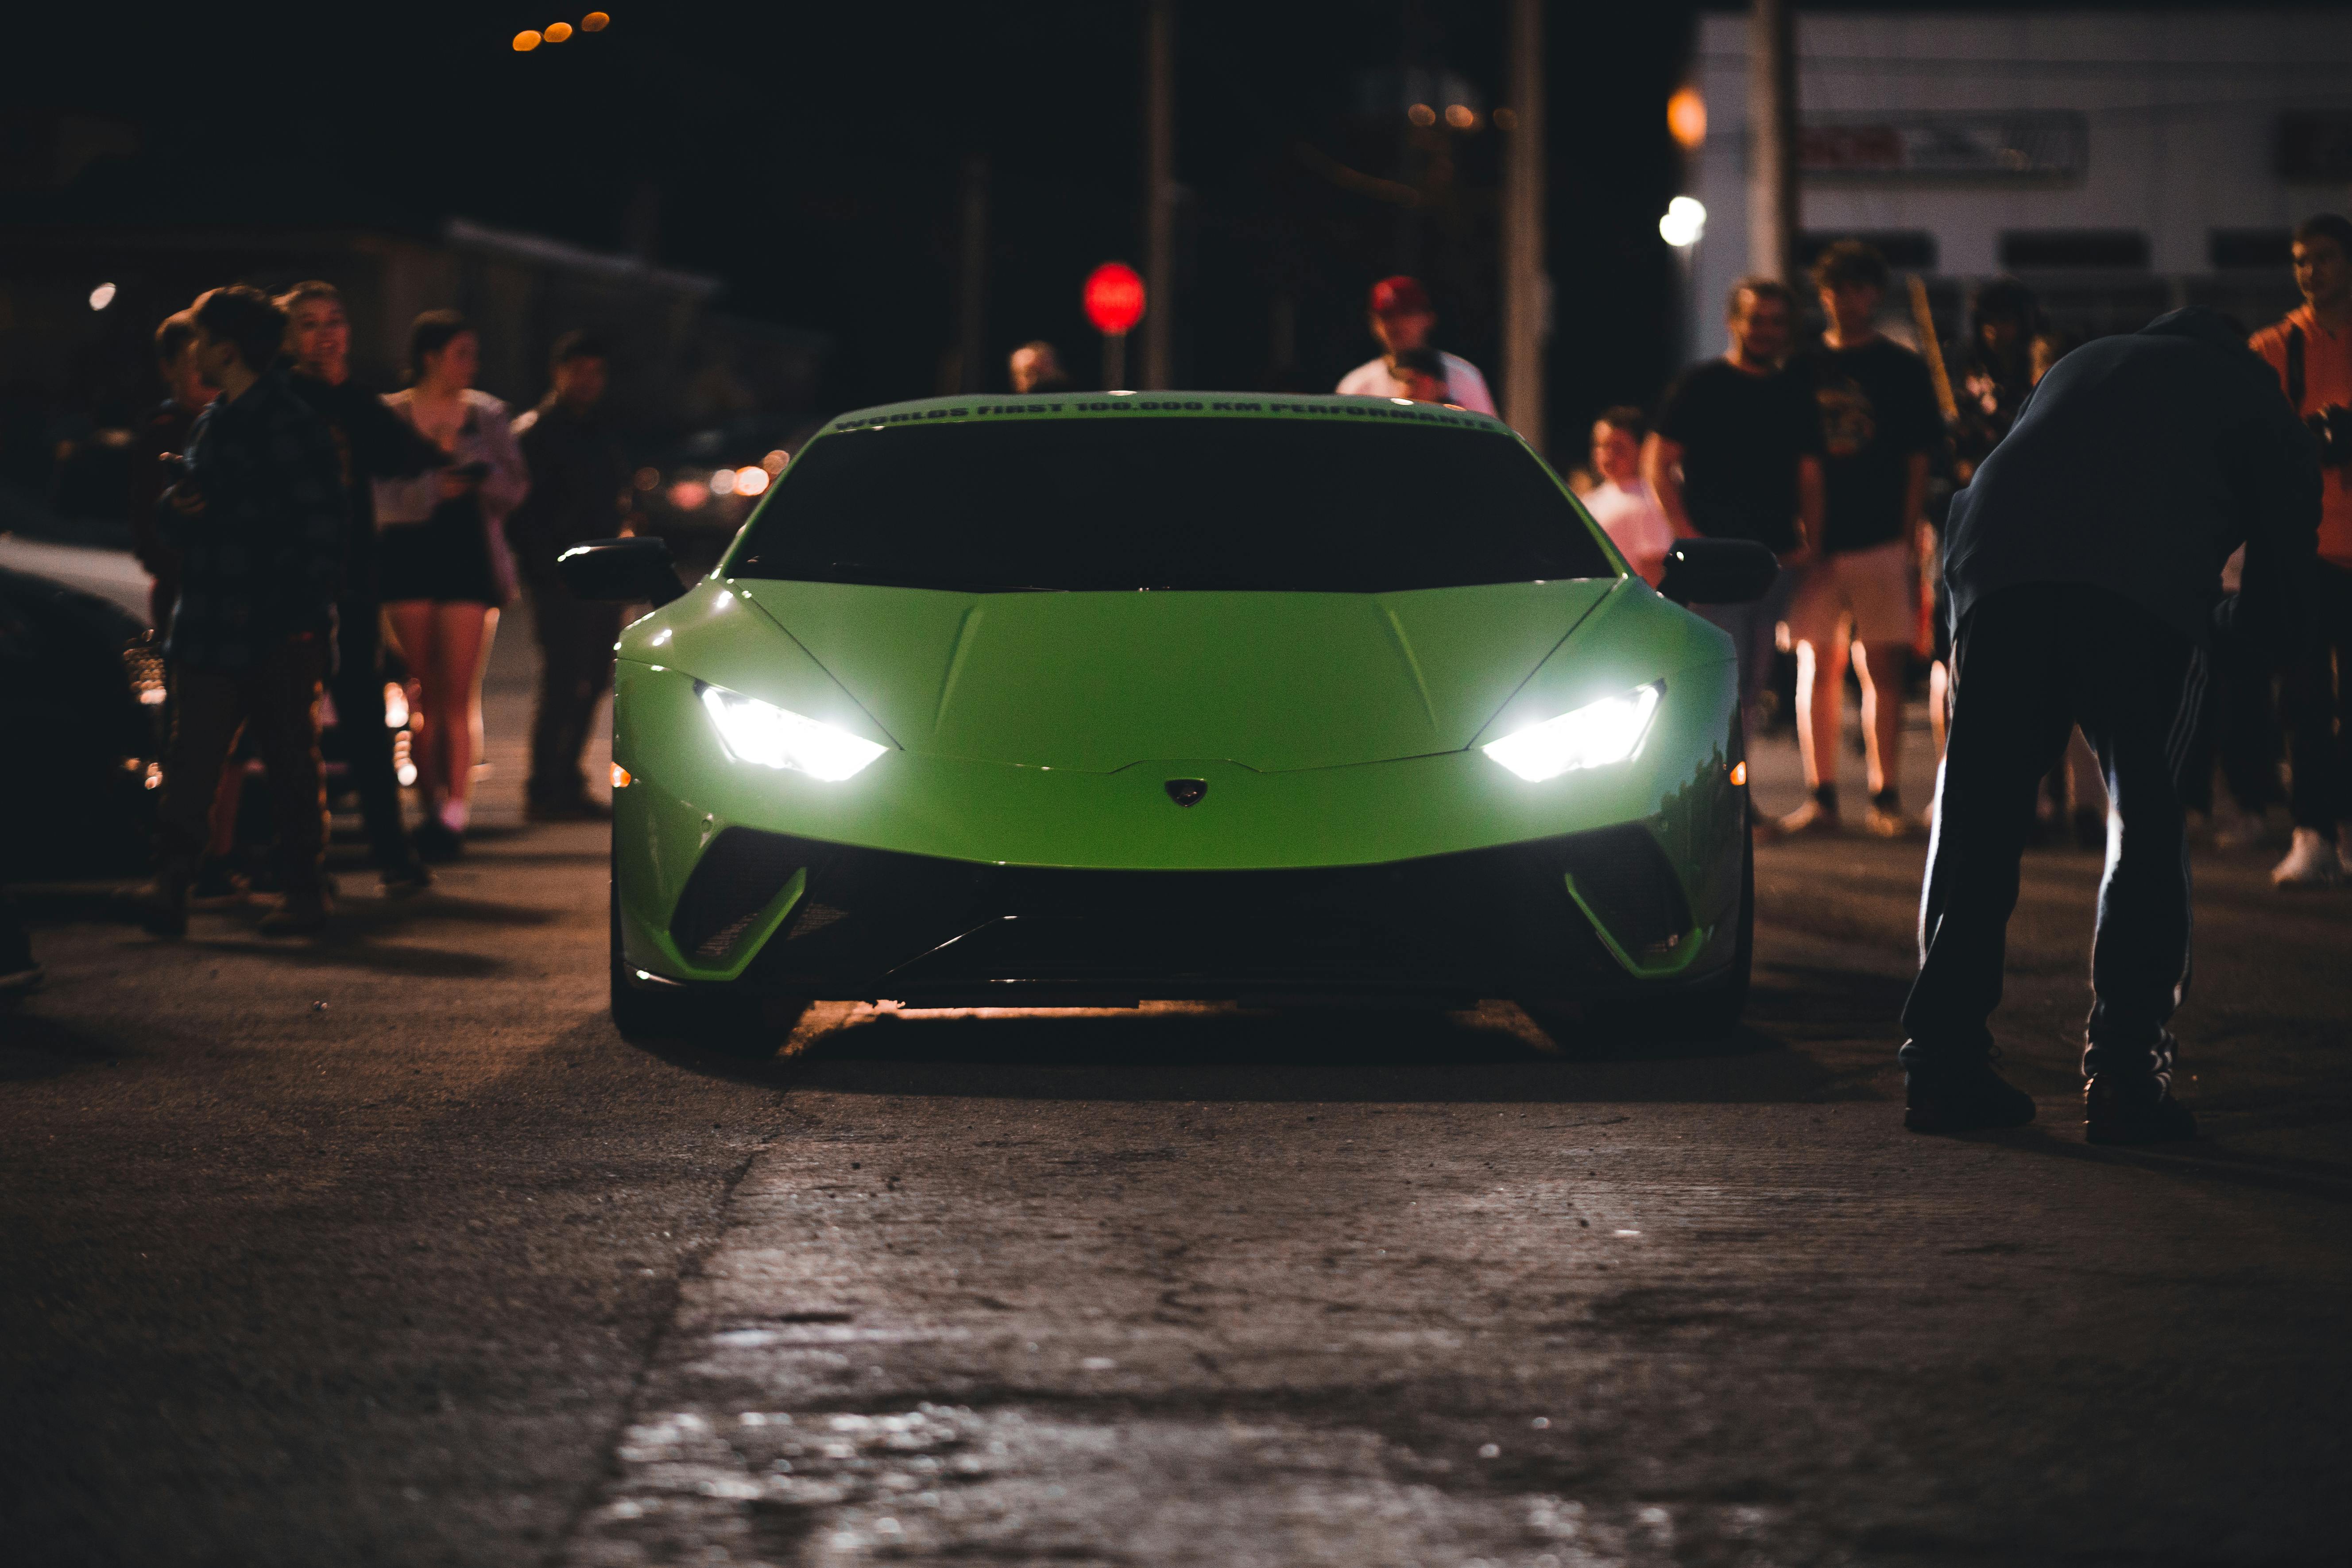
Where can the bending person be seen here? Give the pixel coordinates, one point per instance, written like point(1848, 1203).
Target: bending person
point(2084, 564)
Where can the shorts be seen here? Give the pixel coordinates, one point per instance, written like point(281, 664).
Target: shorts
point(1877, 589)
point(445, 559)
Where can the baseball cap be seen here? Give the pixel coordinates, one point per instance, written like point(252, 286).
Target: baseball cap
point(1400, 296)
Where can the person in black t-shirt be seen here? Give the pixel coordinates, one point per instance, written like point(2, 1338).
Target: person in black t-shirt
point(374, 443)
point(1879, 420)
point(579, 491)
point(1736, 454)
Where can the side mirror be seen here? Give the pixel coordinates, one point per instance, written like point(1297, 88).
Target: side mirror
point(1718, 572)
point(620, 571)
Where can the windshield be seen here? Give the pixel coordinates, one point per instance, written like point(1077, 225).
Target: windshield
point(1310, 506)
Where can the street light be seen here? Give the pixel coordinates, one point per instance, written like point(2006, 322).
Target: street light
point(1684, 221)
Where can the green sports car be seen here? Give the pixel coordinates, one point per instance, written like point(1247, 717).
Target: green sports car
point(1084, 700)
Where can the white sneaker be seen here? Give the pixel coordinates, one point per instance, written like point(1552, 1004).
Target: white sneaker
point(2240, 829)
point(2312, 862)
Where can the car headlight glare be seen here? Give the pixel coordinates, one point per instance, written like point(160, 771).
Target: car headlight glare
point(1592, 736)
point(773, 737)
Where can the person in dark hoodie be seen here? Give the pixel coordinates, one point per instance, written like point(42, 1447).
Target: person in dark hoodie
point(2084, 564)
point(374, 443)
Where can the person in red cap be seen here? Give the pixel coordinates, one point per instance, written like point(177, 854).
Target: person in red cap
point(1402, 319)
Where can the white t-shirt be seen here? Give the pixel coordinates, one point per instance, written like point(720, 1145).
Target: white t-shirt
point(1630, 515)
point(1463, 384)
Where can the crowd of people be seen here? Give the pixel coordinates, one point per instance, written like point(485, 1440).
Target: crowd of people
point(1841, 458)
point(301, 528)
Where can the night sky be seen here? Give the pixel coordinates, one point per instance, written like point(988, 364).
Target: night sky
point(810, 157)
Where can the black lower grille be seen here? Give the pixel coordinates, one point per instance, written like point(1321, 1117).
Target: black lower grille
point(739, 875)
point(1487, 922)
point(1631, 888)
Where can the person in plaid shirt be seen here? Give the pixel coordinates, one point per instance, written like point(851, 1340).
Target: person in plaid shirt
point(259, 519)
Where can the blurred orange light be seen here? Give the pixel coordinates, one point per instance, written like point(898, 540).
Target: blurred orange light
point(558, 31)
point(1458, 116)
point(751, 481)
point(1421, 114)
point(594, 22)
point(1740, 774)
point(1686, 118)
point(526, 41)
point(688, 495)
point(774, 461)
point(647, 479)
point(620, 779)
point(1507, 120)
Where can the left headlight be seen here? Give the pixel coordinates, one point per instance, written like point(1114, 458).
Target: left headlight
point(773, 737)
point(1592, 736)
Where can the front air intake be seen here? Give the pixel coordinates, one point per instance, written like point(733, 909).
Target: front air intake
point(1630, 887)
point(739, 876)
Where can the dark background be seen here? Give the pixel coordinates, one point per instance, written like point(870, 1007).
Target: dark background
point(811, 156)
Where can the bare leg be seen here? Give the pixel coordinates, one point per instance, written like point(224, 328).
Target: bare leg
point(1939, 700)
point(463, 633)
point(412, 628)
point(1882, 711)
point(1821, 700)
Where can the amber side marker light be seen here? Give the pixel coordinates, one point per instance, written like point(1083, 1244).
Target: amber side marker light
point(1738, 774)
point(620, 776)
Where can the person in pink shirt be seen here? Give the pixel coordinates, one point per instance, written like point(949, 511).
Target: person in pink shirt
point(1622, 503)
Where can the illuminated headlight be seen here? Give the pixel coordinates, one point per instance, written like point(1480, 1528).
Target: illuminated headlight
point(1592, 736)
point(773, 737)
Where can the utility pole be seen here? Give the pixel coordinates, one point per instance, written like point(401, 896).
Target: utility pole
point(1527, 292)
point(972, 307)
point(1772, 139)
point(1159, 186)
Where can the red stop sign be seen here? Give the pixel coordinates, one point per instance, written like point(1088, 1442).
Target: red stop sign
point(1114, 298)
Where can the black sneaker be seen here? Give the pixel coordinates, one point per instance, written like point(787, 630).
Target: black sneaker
point(1962, 1097)
point(2141, 1112)
point(408, 878)
point(160, 906)
point(217, 886)
point(435, 842)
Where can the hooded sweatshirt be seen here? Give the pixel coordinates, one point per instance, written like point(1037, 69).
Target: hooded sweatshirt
point(2137, 466)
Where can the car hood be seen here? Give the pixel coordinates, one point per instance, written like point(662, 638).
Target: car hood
point(1096, 682)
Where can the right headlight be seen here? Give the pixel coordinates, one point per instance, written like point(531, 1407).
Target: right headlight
point(1592, 736)
point(773, 737)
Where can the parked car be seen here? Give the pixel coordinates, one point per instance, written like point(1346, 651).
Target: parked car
point(81, 698)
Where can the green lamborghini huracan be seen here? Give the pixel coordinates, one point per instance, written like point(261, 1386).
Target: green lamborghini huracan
point(1085, 699)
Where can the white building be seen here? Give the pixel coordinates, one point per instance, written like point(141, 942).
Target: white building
point(2120, 163)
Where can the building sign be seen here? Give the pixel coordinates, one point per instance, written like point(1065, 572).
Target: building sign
point(2026, 147)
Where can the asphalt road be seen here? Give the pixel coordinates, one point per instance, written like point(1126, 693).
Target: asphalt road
point(386, 1250)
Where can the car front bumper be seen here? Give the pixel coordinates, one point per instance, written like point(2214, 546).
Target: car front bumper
point(952, 882)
